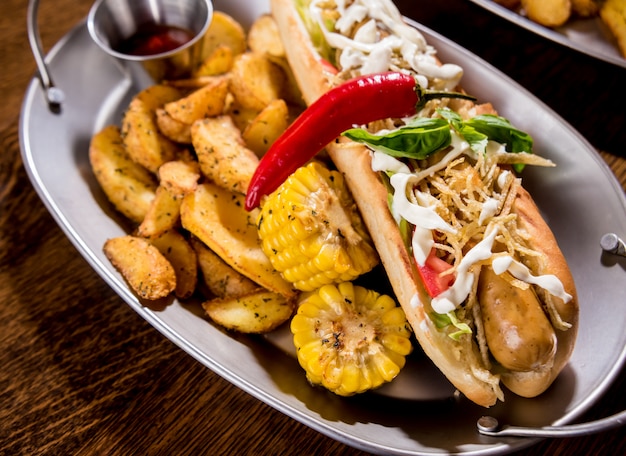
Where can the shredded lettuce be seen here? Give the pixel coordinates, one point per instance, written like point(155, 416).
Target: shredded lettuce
point(315, 32)
point(450, 319)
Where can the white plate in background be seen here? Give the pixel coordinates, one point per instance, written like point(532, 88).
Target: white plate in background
point(589, 36)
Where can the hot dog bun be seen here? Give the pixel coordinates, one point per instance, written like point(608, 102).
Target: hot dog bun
point(461, 361)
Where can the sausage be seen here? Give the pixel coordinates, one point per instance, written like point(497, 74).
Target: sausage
point(518, 332)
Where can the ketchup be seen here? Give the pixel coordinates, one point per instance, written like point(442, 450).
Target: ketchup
point(151, 38)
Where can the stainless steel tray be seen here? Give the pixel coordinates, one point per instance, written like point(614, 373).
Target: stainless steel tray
point(418, 414)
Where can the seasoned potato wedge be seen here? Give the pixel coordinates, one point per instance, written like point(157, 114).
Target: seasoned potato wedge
point(143, 140)
point(221, 279)
point(163, 214)
point(613, 14)
point(224, 31)
point(263, 37)
point(551, 13)
point(206, 101)
point(255, 81)
point(171, 128)
point(219, 219)
point(290, 91)
point(180, 176)
point(257, 312)
point(222, 153)
point(220, 61)
point(178, 251)
point(241, 116)
point(129, 186)
point(156, 96)
point(145, 269)
point(586, 8)
point(266, 127)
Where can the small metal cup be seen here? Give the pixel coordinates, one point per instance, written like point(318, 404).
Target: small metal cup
point(110, 22)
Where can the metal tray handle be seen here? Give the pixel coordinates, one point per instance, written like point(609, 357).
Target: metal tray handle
point(488, 425)
point(54, 95)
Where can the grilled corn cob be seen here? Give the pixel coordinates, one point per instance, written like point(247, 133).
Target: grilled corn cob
point(350, 339)
point(312, 232)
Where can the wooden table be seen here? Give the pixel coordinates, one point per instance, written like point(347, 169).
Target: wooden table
point(81, 373)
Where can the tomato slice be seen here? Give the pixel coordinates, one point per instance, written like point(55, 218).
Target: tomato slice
point(329, 66)
point(431, 276)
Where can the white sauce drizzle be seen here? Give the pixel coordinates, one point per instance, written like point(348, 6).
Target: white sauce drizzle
point(460, 289)
point(424, 217)
point(502, 179)
point(548, 282)
point(385, 162)
point(367, 33)
point(422, 243)
point(489, 209)
point(369, 54)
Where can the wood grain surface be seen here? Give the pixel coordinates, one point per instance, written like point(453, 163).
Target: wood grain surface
point(83, 374)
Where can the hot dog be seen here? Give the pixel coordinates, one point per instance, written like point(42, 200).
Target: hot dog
point(476, 269)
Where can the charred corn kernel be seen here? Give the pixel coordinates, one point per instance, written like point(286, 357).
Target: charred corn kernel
point(311, 230)
point(350, 339)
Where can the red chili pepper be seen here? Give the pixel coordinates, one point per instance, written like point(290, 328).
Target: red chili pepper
point(358, 101)
point(430, 273)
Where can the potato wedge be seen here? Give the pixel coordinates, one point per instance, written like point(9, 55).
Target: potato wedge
point(220, 61)
point(613, 14)
point(179, 176)
point(163, 214)
point(221, 279)
point(207, 101)
point(551, 13)
point(224, 31)
point(241, 116)
point(178, 251)
point(171, 128)
point(222, 153)
point(263, 37)
point(156, 96)
point(191, 83)
point(143, 140)
point(266, 127)
point(255, 313)
point(129, 186)
point(256, 81)
point(586, 8)
point(219, 219)
point(290, 91)
point(145, 269)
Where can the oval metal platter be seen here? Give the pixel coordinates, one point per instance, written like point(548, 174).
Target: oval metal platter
point(419, 413)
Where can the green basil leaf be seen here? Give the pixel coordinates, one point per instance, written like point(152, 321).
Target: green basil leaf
point(477, 140)
point(452, 117)
point(417, 139)
point(500, 129)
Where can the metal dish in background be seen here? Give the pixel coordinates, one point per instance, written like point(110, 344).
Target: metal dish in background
point(418, 414)
point(589, 36)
